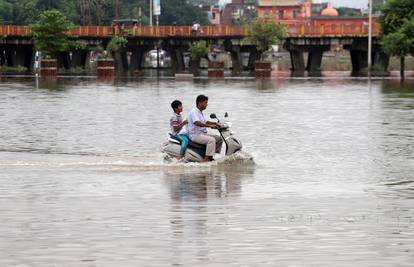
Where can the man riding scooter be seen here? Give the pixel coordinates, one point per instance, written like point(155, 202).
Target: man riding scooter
point(197, 128)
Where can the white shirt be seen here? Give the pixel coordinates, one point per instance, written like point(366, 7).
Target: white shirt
point(194, 130)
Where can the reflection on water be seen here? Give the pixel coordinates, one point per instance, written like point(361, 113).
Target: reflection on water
point(83, 182)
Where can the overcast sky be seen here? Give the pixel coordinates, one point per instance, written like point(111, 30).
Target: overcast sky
point(351, 3)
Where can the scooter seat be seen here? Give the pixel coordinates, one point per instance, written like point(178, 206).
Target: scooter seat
point(190, 144)
point(197, 145)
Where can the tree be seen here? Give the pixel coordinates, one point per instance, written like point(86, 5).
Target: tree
point(348, 12)
point(198, 50)
point(398, 28)
point(180, 12)
point(6, 12)
point(264, 33)
point(116, 43)
point(24, 11)
point(49, 33)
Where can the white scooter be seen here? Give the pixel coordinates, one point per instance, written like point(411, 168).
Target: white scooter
point(196, 152)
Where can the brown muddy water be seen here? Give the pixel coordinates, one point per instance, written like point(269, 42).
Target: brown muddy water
point(83, 182)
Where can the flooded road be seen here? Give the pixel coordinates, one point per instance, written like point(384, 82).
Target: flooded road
point(83, 182)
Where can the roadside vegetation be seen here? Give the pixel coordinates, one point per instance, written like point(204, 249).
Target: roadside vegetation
point(397, 23)
point(100, 12)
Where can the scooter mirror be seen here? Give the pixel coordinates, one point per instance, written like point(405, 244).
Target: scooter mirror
point(213, 116)
point(226, 115)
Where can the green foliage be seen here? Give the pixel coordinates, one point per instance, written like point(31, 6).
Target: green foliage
point(240, 21)
point(81, 12)
point(49, 33)
point(348, 12)
point(116, 43)
point(24, 11)
point(265, 32)
point(398, 27)
point(401, 42)
point(397, 23)
point(181, 12)
point(199, 50)
point(395, 13)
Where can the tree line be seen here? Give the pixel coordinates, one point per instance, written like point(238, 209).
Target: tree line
point(101, 12)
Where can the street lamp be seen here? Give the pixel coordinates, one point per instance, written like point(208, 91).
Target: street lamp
point(369, 38)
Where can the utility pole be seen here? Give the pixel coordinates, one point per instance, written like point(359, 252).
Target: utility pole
point(151, 6)
point(98, 12)
point(116, 4)
point(370, 39)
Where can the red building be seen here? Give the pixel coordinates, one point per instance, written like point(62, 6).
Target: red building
point(239, 11)
point(284, 9)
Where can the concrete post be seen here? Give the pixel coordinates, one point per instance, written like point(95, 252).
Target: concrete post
point(137, 59)
point(314, 60)
point(78, 58)
point(253, 56)
point(63, 60)
point(236, 60)
point(177, 60)
point(359, 60)
point(298, 63)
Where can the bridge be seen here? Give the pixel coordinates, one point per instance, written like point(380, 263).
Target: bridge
point(312, 36)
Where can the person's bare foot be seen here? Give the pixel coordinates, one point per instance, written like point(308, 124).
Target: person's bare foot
point(208, 158)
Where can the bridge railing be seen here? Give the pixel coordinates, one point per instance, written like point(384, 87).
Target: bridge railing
point(14, 30)
point(295, 28)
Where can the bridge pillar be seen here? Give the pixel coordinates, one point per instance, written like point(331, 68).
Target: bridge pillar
point(63, 60)
point(121, 62)
point(78, 58)
point(137, 59)
point(177, 60)
point(253, 57)
point(9, 57)
point(236, 59)
point(18, 56)
point(315, 56)
point(359, 59)
point(2, 57)
point(298, 63)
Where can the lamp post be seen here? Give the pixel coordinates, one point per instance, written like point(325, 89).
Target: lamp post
point(369, 38)
point(150, 17)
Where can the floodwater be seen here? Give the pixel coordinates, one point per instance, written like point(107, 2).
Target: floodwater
point(83, 183)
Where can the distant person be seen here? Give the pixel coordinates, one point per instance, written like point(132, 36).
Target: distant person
point(197, 129)
point(178, 128)
point(195, 28)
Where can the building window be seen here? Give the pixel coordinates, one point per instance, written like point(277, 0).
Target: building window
point(294, 14)
point(213, 15)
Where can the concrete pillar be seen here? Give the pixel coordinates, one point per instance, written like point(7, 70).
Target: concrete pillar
point(18, 56)
point(29, 59)
point(314, 60)
point(124, 58)
point(2, 57)
point(121, 62)
point(359, 60)
point(177, 60)
point(298, 63)
point(63, 60)
point(78, 58)
point(253, 56)
point(137, 59)
point(9, 57)
point(236, 60)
